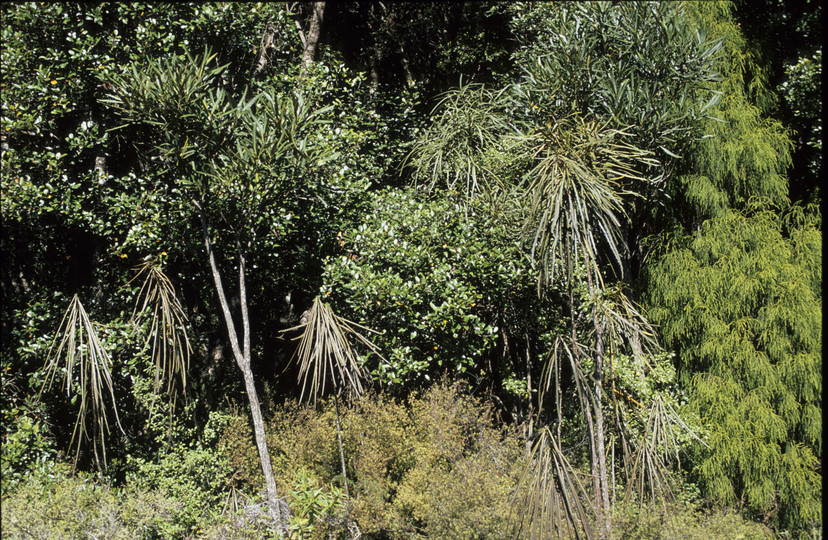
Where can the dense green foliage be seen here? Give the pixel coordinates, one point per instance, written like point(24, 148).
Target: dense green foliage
point(595, 222)
point(743, 310)
point(437, 467)
point(445, 286)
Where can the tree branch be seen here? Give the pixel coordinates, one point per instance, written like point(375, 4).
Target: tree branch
point(301, 34)
point(289, 9)
point(264, 45)
point(243, 300)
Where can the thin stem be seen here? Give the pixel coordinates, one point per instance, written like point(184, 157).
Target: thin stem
point(341, 451)
point(225, 306)
point(599, 411)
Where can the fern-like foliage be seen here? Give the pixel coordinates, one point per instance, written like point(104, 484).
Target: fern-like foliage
point(740, 304)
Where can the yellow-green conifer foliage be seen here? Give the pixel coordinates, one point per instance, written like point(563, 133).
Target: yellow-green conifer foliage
point(741, 304)
point(742, 152)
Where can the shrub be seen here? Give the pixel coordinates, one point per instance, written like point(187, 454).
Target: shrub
point(318, 511)
point(466, 471)
point(435, 466)
point(196, 479)
point(57, 504)
point(26, 442)
point(302, 437)
point(237, 446)
point(688, 522)
point(378, 451)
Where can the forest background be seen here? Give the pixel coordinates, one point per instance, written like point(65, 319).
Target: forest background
point(399, 270)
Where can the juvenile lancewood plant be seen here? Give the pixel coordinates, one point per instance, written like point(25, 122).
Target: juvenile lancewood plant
point(80, 355)
point(325, 355)
point(87, 366)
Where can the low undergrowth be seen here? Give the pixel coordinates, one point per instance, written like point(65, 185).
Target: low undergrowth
point(436, 466)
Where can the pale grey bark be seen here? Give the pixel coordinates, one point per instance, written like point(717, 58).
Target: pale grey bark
point(605, 527)
point(604, 515)
point(242, 357)
point(376, 58)
point(302, 37)
point(409, 78)
point(531, 430)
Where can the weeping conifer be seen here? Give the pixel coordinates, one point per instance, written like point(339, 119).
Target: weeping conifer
point(740, 304)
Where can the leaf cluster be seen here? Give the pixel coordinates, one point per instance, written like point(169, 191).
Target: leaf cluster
point(439, 283)
point(637, 65)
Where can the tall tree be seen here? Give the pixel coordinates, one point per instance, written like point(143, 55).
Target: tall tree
point(575, 206)
point(234, 160)
point(641, 67)
point(77, 202)
point(734, 292)
point(575, 175)
point(571, 198)
point(744, 152)
point(740, 302)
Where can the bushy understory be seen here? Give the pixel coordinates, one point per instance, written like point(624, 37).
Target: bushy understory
point(436, 466)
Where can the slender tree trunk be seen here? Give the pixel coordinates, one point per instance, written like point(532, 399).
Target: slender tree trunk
point(376, 51)
point(313, 34)
point(599, 427)
point(242, 357)
point(605, 523)
point(409, 78)
point(376, 58)
point(529, 386)
point(593, 455)
point(582, 389)
point(574, 335)
point(265, 44)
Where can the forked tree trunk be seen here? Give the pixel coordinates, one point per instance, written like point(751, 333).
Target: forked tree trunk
point(241, 353)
